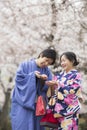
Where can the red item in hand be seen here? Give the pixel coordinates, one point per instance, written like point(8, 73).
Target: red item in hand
point(40, 106)
point(48, 120)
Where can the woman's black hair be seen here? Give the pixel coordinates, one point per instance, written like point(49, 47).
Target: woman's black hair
point(71, 56)
point(50, 52)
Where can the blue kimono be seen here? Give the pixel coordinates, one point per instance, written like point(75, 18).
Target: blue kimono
point(24, 95)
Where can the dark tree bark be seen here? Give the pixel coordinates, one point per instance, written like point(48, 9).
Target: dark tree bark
point(4, 114)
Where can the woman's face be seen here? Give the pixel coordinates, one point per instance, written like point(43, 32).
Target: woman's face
point(66, 64)
point(44, 62)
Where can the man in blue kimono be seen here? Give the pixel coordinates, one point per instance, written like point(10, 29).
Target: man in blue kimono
point(30, 82)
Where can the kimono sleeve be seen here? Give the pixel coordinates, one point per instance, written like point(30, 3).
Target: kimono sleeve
point(73, 85)
point(77, 86)
point(25, 87)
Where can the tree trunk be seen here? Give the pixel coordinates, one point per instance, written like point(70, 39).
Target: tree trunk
point(4, 114)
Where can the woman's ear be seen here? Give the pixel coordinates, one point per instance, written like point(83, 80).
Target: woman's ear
point(73, 62)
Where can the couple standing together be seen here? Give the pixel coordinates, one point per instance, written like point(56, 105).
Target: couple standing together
point(28, 84)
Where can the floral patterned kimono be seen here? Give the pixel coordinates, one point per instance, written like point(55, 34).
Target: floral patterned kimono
point(66, 103)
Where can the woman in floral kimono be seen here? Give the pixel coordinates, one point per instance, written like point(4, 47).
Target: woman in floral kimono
point(66, 103)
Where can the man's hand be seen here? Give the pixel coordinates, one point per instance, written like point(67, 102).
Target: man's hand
point(41, 76)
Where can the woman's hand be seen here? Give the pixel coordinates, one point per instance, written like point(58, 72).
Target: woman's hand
point(51, 83)
point(41, 76)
